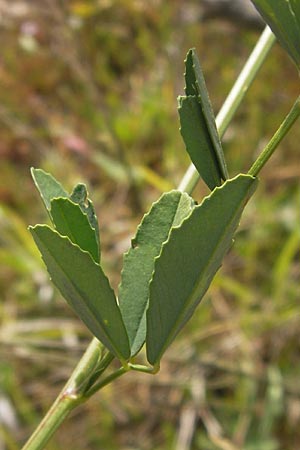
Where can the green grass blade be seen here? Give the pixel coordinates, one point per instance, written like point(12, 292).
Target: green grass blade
point(85, 287)
point(283, 17)
point(47, 186)
point(138, 265)
point(69, 220)
point(189, 260)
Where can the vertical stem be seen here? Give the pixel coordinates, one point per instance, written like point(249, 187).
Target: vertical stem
point(245, 79)
point(60, 409)
point(234, 98)
point(276, 139)
point(70, 396)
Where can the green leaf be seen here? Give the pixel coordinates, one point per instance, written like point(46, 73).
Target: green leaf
point(138, 266)
point(196, 87)
point(70, 221)
point(80, 195)
point(189, 260)
point(85, 287)
point(197, 141)
point(283, 17)
point(50, 189)
point(48, 186)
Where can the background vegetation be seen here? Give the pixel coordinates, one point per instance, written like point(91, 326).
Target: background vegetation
point(88, 92)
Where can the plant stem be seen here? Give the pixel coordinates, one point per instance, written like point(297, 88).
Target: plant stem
point(276, 139)
point(105, 362)
point(97, 386)
point(70, 396)
point(60, 409)
point(146, 369)
point(234, 99)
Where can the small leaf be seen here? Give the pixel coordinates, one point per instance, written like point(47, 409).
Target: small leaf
point(195, 83)
point(85, 287)
point(196, 87)
point(189, 260)
point(197, 140)
point(69, 220)
point(50, 189)
point(283, 17)
point(138, 265)
point(48, 186)
point(80, 195)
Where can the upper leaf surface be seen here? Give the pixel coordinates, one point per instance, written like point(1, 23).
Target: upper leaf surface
point(50, 189)
point(85, 287)
point(48, 186)
point(196, 86)
point(189, 260)
point(197, 141)
point(70, 221)
point(138, 266)
point(80, 195)
point(283, 17)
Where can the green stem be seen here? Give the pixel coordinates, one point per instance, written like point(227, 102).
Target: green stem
point(234, 99)
point(105, 362)
point(137, 367)
point(146, 369)
point(60, 409)
point(86, 366)
point(97, 386)
point(276, 139)
point(70, 396)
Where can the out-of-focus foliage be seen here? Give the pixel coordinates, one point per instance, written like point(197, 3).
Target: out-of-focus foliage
point(88, 92)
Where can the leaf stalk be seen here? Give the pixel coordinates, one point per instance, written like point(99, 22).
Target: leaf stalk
point(276, 139)
point(70, 397)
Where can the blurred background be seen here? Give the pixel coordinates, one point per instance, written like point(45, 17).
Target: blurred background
point(88, 92)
